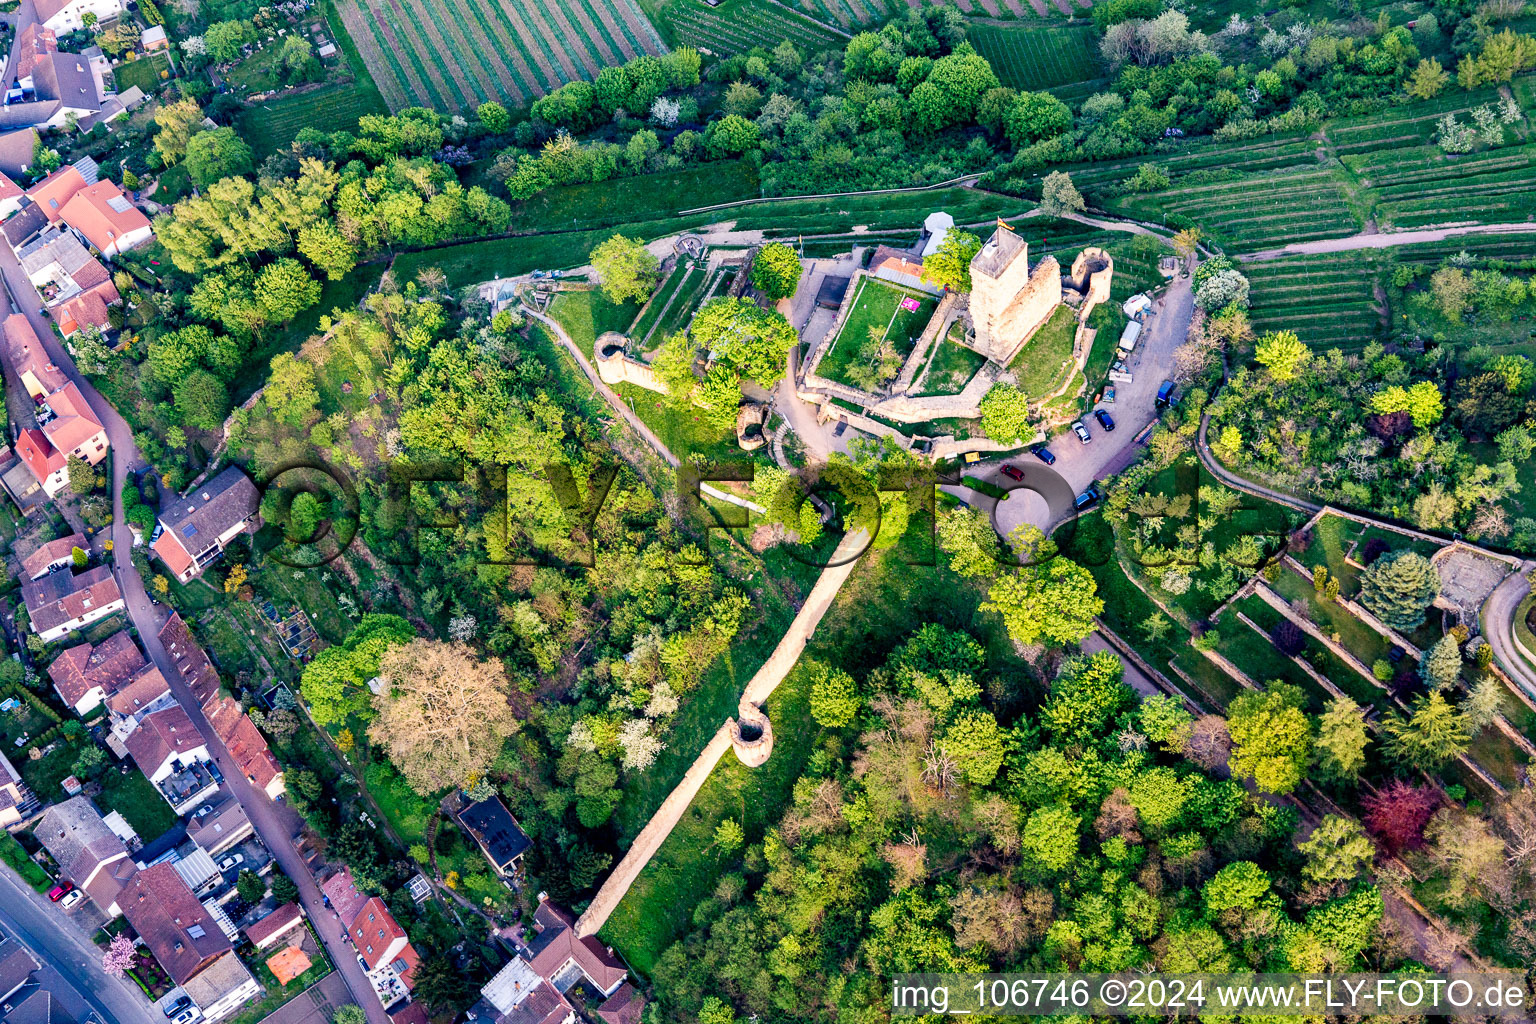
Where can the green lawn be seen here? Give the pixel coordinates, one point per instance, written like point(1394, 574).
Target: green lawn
point(951, 368)
point(1042, 363)
point(686, 431)
point(585, 315)
point(276, 995)
point(1331, 617)
point(876, 307)
point(139, 802)
point(344, 295)
point(624, 200)
point(144, 73)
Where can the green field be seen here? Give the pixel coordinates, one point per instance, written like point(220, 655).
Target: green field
point(1256, 211)
point(1042, 364)
point(453, 55)
point(624, 200)
point(1038, 56)
point(877, 306)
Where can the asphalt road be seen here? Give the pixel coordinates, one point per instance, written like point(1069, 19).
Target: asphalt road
point(276, 824)
point(71, 963)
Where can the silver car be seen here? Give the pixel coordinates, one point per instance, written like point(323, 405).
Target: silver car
point(1081, 430)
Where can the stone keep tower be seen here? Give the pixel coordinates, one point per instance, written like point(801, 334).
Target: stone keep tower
point(1008, 301)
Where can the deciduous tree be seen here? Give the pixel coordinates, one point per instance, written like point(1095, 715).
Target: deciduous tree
point(1271, 737)
point(443, 714)
point(949, 266)
point(776, 271)
point(1055, 603)
point(1058, 196)
point(626, 268)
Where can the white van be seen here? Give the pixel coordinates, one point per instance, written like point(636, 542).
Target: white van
point(1130, 335)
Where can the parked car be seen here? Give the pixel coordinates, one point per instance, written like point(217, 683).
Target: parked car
point(1045, 455)
point(1081, 430)
point(1165, 396)
point(1105, 420)
point(1012, 472)
point(1089, 498)
point(57, 892)
point(232, 860)
point(72, 898)
point(187, 1016)
point(180, 1003)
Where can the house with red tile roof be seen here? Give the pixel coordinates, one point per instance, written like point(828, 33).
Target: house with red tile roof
point(191, 660)
point(194, 529)
point(178, 930)
point(84, 674)
point(246, 745)
point(107, 219)
point(382, 947)
point(54, 191)
point(277, 927)
point(34, 42)
point(40, 456)
point(60, 603)
point(72, 425)
point(10, 192)
point(165, 741)
point(53, 554)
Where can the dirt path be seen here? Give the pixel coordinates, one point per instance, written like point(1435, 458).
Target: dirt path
point(1386, 240)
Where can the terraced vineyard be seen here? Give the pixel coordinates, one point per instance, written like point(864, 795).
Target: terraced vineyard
point(1038, 56)
point(452, 55)
point(1414, 187)
point(736, 26)
point(1257, 211)
point(1327, 300)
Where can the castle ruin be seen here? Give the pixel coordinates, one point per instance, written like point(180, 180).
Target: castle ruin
point(1008, 300)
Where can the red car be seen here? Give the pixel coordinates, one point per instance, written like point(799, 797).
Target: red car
point(59, 891)
point(1012, 472)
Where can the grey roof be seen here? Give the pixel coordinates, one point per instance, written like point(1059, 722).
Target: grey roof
point(26, 222)
point(56, 245)
point(76, 837)
point(998, 254)
point(66, 77)
point(497, 832)
point(200, 516)
point(16, 965)
point(217, 980)
point(89, 169)
point(28, 113)
point(225, 818)
point(16, 149)
point(37, 1007)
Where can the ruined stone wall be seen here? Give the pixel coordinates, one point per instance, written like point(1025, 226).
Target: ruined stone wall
point(615, 367)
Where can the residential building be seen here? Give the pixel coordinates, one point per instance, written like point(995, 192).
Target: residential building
point(277, 928)
point(219, 824)
point(59, 265)
point(178, 929)
point(88, 853)
point(16, 967)
point(531, 989)
point(29, 360)
point(198, 870)
point(62, 84)
point(106, 218)
point(410, 1013)
point(58, 553)
point(382, 947)
point(11, 195)
point(496, 832)
point(16, 799)
point(166, 742)
point(60, 603)
point(518, 995)
point(384, 951)
point(222, 987)
point(194, 529)
point(191, 660)
point(43, 461)
point(71, 426)
point(67, 15)
point(144, 692)
point(35, 41)
point(58, 188)
point(84, 674)
point(246, 745)
point(18, 149)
